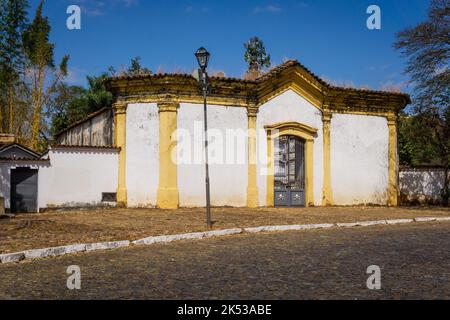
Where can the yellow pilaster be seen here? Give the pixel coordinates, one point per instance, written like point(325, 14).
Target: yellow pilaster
point(393, 162)
point(327, 190)
point(120, 137)
point(168, 196)
point(270, 200)
point(252, 187)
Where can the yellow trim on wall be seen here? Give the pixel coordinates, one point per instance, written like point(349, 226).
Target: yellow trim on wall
point(292, 129)
point(393, 162)
point(168, 195)
point(270, 192)
point(252, 186)
point(327, 189)
point(120, 136)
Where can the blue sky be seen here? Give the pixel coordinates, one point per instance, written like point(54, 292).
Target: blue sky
point(330, 37)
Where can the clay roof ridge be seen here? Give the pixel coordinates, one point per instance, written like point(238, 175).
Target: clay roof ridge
point(267, 76)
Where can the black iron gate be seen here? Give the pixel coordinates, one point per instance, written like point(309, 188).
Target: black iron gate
point(289, 171)
point(24, 190)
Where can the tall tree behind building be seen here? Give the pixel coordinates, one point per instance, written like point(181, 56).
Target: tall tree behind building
point(74, 103)
point(427, 47)
point(256, 57)
point(39, 52)
point(13, 20)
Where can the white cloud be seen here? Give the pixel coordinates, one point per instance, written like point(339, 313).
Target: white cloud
point(192, 9)
point(99, 7)
point(393, 86)
point(75, 76)
point(270, 8)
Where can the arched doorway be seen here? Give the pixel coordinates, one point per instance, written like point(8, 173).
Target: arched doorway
point(303, 138)
point(289, 171)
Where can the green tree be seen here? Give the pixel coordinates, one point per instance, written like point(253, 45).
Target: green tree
point(256, 57)
point(73, 103)
point(13, 20)
point(69, 107)
point(97, 95)
point(136, 68)
point(39, 52)
point(426, 134)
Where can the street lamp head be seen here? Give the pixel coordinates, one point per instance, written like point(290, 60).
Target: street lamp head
point(202, 57)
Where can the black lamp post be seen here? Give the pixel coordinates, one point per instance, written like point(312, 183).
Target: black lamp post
point(203, 58)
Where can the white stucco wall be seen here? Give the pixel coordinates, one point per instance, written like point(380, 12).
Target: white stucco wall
point(359, 159)
point(77, 177)
point(289, 107)
point(421, 185)
point(228, 177)
point(5, 183)
point(5, 177)
point(142, 154)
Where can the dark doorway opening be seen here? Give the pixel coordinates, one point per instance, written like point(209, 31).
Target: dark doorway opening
point(24, 185)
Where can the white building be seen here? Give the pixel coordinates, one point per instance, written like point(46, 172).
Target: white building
point(284, 139)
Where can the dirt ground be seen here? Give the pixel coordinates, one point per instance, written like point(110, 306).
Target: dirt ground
point(31, 231)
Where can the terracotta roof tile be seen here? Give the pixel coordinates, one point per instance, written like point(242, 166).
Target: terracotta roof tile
point(267, 76)
point(59, 146)
point(22, 159)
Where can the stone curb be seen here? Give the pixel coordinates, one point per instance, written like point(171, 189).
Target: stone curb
point(187, 236)
point(53, 252)
point(424, 219)
point(399, 221)
point(443, 219)
point(76, 248)
point(107, 245)
point(288, 228)
point(12, 257)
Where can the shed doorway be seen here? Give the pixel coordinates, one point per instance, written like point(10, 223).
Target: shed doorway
point(24, 185)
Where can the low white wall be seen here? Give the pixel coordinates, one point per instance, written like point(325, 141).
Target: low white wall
point(228, 177)
point(77, 177)
point(142, 153)
point(421, 185)
point(359, 159)
point(289, 107)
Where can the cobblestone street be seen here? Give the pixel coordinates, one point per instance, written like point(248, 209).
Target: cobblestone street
point(329, 264)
